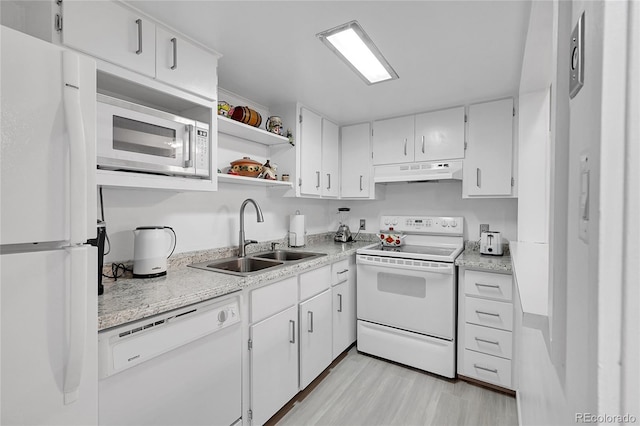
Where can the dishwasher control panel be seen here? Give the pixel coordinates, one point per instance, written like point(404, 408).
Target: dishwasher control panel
point(133, 343)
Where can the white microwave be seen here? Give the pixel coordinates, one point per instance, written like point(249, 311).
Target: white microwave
point(137, 138)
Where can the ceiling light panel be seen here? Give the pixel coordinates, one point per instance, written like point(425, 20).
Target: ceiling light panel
point(355, 48)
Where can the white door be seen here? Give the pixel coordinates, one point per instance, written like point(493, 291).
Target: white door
point(185, 65)
point(35, 156)
point(344, 313)
point(310, 153)
point(418, 298)
point(440, 135)
point(274, 363)
point(111, 32)
point(315, 337)
point(356, 161)
point(488, 164)
point(393, 140)
point(330, 159)
point(38, 320)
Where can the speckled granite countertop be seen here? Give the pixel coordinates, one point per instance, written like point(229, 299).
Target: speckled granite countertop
point(129, 299)
point(471, 258)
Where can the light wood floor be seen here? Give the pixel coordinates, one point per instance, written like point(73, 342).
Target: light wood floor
point(363, 390)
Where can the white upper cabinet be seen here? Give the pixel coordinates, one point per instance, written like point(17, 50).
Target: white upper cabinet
point(393, 140)
point(120, 35)
point(185, 65)
point(488, 165)
point(310, 153)
point(111, 32)
point(355, 179)
point(439, 135)
point(330, 159)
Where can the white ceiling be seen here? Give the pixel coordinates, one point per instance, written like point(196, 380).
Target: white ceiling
point(446, 53)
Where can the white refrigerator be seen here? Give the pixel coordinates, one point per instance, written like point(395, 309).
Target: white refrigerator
point(48, 274)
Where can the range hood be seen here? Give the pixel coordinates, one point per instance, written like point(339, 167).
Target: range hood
point(415, 172)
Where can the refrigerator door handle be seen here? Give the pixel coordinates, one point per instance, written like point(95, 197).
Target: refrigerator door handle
point(77, 149)
point(77, 322)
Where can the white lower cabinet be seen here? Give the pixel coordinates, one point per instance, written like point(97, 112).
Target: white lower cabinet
point(297, 327)
point(485, 327)
point(315, 337)
point(344, 305)
point(274, 363)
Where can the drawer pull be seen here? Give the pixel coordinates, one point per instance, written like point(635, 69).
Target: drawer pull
point(487, 341)
point(487, 313)
point(488, 285)
point(490, 370)
point(342, 272)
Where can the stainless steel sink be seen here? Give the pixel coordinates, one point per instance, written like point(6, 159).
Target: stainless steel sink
point(259, 262)
point(287, 256)
point(241, 266)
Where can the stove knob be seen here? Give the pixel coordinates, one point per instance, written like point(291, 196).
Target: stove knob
point(395, 221)
point(444, 223)
point(454, 223)
point(222, 316)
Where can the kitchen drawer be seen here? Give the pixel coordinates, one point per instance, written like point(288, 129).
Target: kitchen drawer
point(489, 313)
point(487, 368)
point(340, 271)
point(488, 340)
point(273, 298)
point(314, 282)
point(487, 284)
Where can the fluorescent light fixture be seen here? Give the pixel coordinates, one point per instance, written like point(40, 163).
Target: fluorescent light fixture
point(355, 48)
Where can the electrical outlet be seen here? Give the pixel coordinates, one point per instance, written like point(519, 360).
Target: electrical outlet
point(484, 227)
point(363, 224)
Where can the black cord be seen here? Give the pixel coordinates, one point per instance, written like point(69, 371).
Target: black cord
point(117, 271)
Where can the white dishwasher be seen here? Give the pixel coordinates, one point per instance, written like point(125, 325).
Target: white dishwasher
point(182, 367)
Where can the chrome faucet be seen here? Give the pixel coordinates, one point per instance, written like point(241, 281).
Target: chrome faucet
point(242, 243)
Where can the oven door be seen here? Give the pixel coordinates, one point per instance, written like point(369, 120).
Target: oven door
point(137, 138)
point(412, 295)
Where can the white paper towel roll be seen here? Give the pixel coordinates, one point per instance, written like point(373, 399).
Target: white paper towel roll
point(296, 230)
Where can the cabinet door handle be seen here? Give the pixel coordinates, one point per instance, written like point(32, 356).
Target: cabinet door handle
point(139, 23)
point(488, 285)
point(491, 370)
point(339, 302)
point(174, 41)
point(329, 180)
point(317, 179)
point(292, 339)
point(310, 320)
point(423, 144)
point(487, 313)
point(360, 182)
point(487, 341)
point(478, 177)
point(405, 146)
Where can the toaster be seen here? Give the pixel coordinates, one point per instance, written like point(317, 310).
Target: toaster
point(491, 243)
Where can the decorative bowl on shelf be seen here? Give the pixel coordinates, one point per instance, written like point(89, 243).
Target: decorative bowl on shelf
point(246, 167)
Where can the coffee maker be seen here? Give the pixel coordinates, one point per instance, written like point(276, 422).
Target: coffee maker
point(343, 234)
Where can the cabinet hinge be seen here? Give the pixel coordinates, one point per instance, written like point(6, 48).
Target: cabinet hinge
point(58, 2)
point(250, 344)
point(372, 155)
point(465, 118)
point(58, 22)
point(465, 146)
point(372, 131)
point(299, 181)
point(250, 414)
point(300, 118)
point(513, 182)
point(514, 111)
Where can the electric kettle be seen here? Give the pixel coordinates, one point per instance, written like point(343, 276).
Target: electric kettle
point(151, 249)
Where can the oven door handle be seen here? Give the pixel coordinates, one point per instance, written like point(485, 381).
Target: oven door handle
point(406, 264)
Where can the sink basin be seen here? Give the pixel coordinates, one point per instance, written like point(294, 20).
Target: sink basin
point(288, 256)
point(242, 266)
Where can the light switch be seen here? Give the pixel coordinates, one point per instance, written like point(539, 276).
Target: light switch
point(576, 61)
point(583, 208)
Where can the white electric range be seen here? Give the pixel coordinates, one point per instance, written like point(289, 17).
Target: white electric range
point(406, 295)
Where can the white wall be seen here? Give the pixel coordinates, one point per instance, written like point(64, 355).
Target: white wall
point(438, 199)
point(209, 220)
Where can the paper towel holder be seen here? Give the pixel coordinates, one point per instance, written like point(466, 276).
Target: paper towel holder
point(298, 238)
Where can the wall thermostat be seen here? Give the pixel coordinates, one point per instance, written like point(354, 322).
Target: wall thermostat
point(576, 62)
